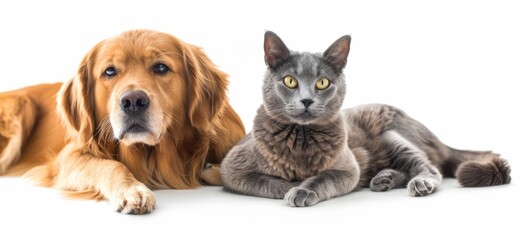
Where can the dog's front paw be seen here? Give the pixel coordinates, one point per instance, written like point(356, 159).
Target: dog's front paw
point(137, 199)
point(301, 197)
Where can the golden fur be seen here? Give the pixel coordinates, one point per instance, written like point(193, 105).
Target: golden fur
point(191, 123)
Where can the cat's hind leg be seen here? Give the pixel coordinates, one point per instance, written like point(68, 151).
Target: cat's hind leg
point(424, 177)
point(388, 179)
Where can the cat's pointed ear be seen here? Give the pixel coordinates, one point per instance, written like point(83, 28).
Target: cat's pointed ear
point(276, 51)
point(337, 53)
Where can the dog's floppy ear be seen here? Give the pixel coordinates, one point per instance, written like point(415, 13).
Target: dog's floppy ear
point(206, 87)
point(76, 99)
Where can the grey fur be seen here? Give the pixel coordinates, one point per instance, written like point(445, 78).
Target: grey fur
point(307, 153)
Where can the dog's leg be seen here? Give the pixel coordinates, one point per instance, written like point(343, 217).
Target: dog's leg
point(210, 174)
point(75, 170)
point(17, 116)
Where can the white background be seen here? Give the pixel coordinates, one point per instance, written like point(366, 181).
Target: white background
point(456, 66)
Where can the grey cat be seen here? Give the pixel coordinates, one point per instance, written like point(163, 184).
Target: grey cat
point(305, 150)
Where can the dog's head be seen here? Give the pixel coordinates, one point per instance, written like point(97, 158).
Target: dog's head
point(138, 86)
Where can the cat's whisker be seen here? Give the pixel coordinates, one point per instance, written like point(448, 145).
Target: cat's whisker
point(334, 119)
point(278, 123)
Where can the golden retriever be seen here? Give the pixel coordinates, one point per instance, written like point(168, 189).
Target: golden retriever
point(144, 111)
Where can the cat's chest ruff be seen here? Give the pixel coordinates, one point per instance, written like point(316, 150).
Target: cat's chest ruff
point(296, 152)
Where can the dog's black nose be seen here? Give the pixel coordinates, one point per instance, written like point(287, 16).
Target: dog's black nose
point(306, 102)
point(134, 102)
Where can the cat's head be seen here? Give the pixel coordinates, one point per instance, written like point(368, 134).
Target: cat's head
point(304, 88)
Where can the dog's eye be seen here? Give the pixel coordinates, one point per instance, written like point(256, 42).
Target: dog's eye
point(110, 72)
point(161, 68)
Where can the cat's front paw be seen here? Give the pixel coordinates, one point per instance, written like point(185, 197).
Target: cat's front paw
point(420, 186)
point(301, 197)
point(382, 182)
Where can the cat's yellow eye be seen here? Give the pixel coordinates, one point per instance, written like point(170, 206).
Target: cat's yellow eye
point(322, 84)
point(290, 82)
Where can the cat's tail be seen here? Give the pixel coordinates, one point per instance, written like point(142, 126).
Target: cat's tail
point(478, 168)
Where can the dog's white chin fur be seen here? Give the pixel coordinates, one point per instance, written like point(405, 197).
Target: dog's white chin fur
point(144, 138)
point(150, 137)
